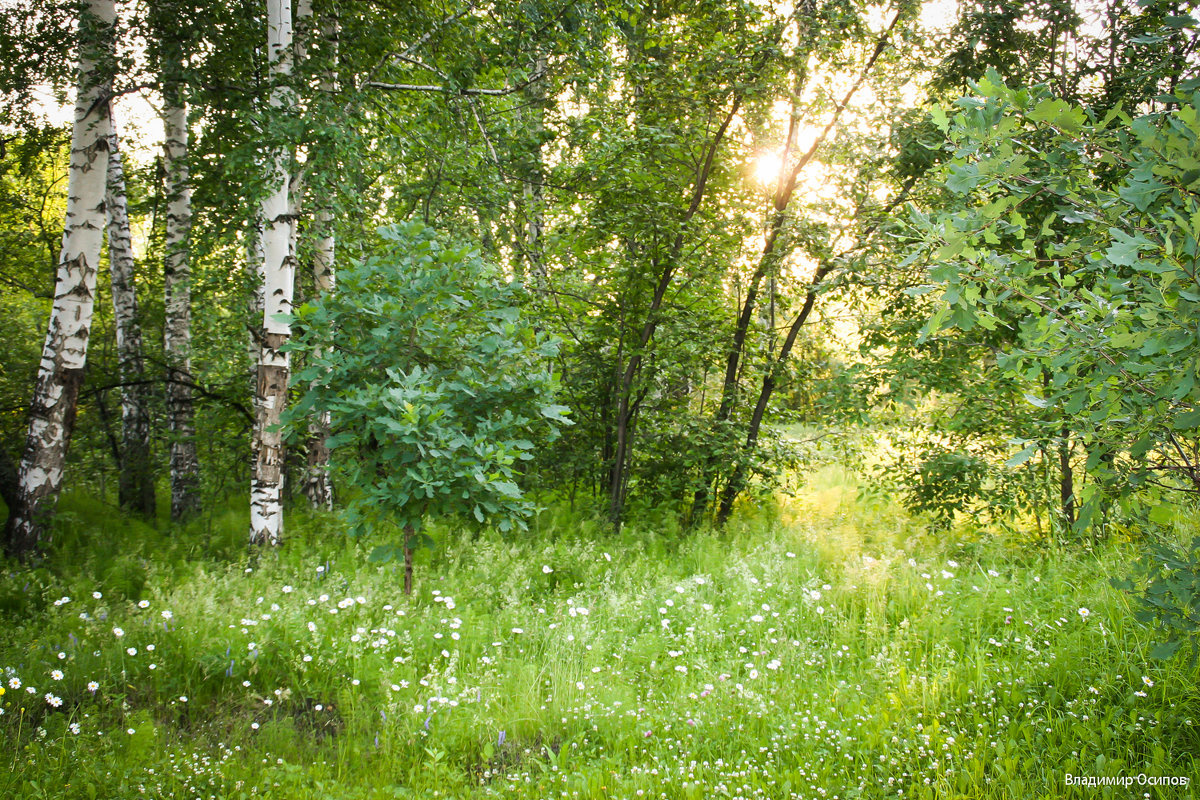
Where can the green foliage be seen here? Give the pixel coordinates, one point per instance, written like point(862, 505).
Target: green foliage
point(1168, 588)
point(1076, 238)
point(32, 203)
point(436, 386)
point(945, 483)
point(1106, 55)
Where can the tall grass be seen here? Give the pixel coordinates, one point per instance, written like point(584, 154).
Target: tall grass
point(825, 648)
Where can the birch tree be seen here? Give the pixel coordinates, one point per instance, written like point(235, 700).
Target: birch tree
point(266, 483)
point(317, 486)
point(136, 481)
point(64, 352)
point(177, 276)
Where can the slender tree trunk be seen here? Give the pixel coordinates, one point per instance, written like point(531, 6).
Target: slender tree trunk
point(136, 482)
point(784, 191)
point(733, 358)
point(1066, 481)
point(317, 485)
point(8, 479)
point(64, 353)
point(177, 286)
point(737, 479)
point(619, 477)
point(266, 483)
point(487, 239)
point(535, 206)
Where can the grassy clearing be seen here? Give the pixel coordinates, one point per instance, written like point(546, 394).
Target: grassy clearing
point(826, 649)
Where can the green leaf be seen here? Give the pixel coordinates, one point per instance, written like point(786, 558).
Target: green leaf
point(1141, 446)
point(1023, 456)
point(1161, 514)
point(1033, 399)
point(557, 413)
point(1059, 114)
point(382, 554)
point(506, 487)
point(940, 119)
point(1125, 252)
point(1141, 193)
point(962, 178)
point(1165, 650)
point(1187, 420)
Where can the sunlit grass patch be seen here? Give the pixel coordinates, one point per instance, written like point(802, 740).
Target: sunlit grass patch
point(831, 649)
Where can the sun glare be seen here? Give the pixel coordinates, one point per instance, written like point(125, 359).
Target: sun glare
point(766, 168)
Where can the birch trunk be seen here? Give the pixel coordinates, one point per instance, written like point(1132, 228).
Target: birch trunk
point(177, 329)
point(64, 352)
point(266, 483)
point(317, 485)
point(136, 481)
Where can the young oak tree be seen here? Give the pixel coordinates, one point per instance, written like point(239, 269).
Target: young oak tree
point(1103, 319)
point(436, 387)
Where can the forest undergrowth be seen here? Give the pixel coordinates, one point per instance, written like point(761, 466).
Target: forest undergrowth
point(827, 646)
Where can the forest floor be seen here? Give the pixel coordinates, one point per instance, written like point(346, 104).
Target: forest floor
point(826, 648)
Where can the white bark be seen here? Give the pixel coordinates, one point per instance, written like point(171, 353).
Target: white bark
point(278, 224)
point(317, 485)
point(177, 329)
point(136, 482)
point(64, 353)
point(266, 486)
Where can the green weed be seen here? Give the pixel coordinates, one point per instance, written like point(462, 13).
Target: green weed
point(825, 648)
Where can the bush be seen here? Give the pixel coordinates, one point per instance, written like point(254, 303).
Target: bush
point(436, 387)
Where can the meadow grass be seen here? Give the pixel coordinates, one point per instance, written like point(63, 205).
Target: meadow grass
point(826, 647)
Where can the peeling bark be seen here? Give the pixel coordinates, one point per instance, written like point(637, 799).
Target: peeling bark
point(64, 353)
point(279, 264)
point(136, 480)
point(317, 485)
point(177, 330)
point(266, 489)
